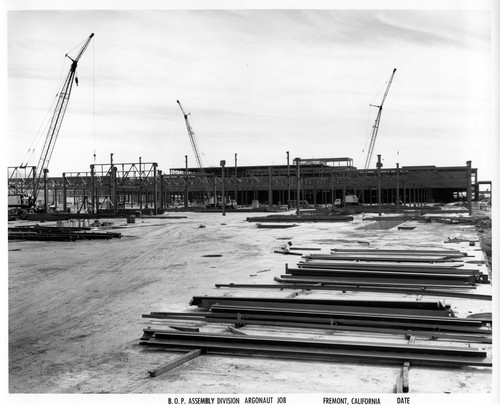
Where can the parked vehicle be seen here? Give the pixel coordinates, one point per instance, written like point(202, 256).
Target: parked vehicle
point(350, 199)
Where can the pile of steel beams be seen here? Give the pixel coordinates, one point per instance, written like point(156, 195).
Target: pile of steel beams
point(403, 272)
point(62, 234)
point(367, 322)
point(395, 268)
point(406, 290)
point(320, 350)
point(421, 318)
point(301, 218)
point(276, 226)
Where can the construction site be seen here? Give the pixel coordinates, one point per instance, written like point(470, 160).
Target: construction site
point(249, 284)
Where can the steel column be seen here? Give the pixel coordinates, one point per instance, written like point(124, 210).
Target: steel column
point(45, 190)
point(297, 163)
point(469, 188)
point(379, 185)
point(155, 189)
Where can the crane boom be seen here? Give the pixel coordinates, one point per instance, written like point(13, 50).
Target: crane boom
point(377, 122)
point(57, 118)
point(192, 138)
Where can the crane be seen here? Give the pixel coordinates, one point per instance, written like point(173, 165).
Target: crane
point(377, 122)
point(192, 138)
point(57, 118)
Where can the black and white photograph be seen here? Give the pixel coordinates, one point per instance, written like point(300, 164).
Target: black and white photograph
point(250, 202)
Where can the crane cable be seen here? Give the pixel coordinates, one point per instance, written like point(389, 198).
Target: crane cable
point(42, 129)
point(38, 136)
point(78, 46)
point(398, 111)
point(368, 120)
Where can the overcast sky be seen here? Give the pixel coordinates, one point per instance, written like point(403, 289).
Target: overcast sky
point(257, 83)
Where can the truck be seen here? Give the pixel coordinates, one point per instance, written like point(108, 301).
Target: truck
point(350, 199)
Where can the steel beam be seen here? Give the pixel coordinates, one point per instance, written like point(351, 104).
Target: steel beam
point(432, 292)
point(175, 363)
point(427, 252)
point(395, 269)
point(395, 281)
point(456, 335)
point(402, 275)
point(324, 350)
point(333, 264)
point(429, 321)
point(378, 258)
point(207, 302)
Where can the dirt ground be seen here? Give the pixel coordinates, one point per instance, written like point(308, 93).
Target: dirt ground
point(75, 308)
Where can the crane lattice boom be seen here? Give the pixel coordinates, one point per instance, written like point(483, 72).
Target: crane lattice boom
point(57, 118)
point(377, 122)
point(192, 138)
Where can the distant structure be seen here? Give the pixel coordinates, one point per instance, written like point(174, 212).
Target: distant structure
point(115, 187)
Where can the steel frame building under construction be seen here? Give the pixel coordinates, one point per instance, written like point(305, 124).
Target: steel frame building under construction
point(116, 187)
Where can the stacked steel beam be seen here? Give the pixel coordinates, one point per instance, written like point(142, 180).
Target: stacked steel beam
point(301, 218)
point(396, 268)
point(422, 318)
point(53, 233)
point(320, 350)
point(406, 290)
point(428, 271)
